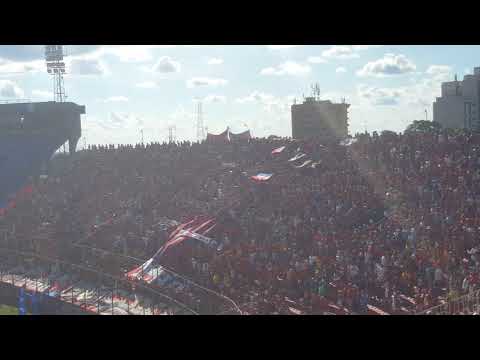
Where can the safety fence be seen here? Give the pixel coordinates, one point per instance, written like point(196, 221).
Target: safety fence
point(468, 304)
point(200, 298)
point(86, 288)
point(113, 291)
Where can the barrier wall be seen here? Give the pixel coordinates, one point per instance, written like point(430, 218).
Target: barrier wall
point(9, 295)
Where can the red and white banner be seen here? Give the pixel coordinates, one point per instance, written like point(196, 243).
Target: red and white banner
point(261, 177)
point(297, 157)
point(278, 150)
point(197, 229)
point(304, 164)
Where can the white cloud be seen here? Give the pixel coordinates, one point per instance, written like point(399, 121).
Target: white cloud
point(133, 53)
point(28, 53)
point(275, 115)
point(439, 72)
point(147, 85)
point(365, 47)
point(256, 96)
point(166, 65)
point(205, 81)
point(381, 96)
point(124, 53)
point(215, 61)
point(119, 121)
point(8, 67)
point(340, 52)
point(43, 94)
point(215, 99)
point(390, 64)
point(9, 89)
point(316, 60)
point(281, 47)
point(116, 99)
point(340, 69)
point(87, 67)
point(287, 68)
point(270, 103)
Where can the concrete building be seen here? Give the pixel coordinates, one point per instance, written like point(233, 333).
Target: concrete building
point(320, 119)
point(458, 107)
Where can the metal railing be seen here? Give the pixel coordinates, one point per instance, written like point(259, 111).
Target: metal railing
point(468, 304)
point(104, 277)
point(186, 281)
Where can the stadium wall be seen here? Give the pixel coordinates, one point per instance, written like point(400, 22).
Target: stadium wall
point(9, 295)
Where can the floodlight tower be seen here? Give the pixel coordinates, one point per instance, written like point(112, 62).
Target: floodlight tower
point(55, 66)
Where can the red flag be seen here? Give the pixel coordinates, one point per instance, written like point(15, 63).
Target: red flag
point(28, 189)
point(261, 177)
point(197, 226)
point(278, 150)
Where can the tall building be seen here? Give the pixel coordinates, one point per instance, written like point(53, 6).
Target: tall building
point(458, 107)
point(320, 119)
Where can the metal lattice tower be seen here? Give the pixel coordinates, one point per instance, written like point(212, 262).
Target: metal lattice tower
point(172, 136)
point(200, 128)
point(55, 66)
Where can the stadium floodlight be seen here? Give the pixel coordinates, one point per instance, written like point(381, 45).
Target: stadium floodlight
point(56, 66)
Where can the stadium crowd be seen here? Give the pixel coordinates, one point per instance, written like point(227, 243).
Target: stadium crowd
point(387, 222)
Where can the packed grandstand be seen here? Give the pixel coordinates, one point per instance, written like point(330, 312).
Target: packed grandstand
point(379, 224)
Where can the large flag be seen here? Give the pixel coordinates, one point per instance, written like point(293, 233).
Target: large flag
point(297, 157)
point(220, 138)
point(241, 136)
point(261, 177)
point(348, 142)
point(315, 164)
point(304, 164)
point(196, 229)
point(278, 150)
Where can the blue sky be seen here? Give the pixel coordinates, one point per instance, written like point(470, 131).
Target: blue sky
point(129, 88)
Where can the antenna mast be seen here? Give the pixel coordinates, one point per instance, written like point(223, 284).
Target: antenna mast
point(316, 91)
point(55, 66)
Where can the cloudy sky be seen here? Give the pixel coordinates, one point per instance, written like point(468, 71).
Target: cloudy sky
point(129, 88)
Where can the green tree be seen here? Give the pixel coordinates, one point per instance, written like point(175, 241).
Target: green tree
point(424, 126)
point(389, 133)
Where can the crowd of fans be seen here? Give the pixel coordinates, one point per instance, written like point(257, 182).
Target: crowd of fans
point(387, 222)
